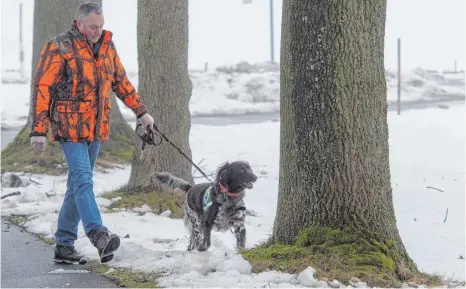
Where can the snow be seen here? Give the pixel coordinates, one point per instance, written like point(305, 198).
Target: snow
point(426, 150)
point(246, 88)
point(426, 146)
point(306, 278)
point(64, 271)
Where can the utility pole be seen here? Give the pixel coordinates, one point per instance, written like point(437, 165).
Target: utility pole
point(272, 59)
point(21, 46)
point(399, 77)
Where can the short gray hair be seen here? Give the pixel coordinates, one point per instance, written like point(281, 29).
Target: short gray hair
point(86, 8)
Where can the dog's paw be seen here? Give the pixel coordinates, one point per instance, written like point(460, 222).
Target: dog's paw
point(202, 248)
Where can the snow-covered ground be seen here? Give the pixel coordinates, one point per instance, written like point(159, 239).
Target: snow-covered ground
point(426, 150)
point(246, 88)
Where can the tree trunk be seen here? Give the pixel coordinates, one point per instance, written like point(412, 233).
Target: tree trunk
point(52, 17)
point(164, 86)
point(334, 155)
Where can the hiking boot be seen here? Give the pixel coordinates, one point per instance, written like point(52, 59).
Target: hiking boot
point(106, 243)
point(68, 255)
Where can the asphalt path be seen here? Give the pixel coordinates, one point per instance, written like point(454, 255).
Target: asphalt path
point(27, 262)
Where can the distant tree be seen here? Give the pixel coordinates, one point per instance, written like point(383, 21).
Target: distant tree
point(165, 86)
point(52, 17)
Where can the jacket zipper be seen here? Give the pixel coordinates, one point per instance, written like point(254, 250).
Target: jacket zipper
point(99, 114)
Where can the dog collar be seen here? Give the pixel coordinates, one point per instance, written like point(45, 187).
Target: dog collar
point(225, 191)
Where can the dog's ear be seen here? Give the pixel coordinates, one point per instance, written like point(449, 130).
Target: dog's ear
point(224, 174)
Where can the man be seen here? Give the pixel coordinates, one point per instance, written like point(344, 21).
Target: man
point(71, 94)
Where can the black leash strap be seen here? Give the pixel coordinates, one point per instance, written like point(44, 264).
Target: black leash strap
point(149, 138)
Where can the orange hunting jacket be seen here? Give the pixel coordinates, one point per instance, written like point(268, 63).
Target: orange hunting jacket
point(71, 89)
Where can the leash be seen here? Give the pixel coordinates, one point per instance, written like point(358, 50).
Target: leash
point(148, 138)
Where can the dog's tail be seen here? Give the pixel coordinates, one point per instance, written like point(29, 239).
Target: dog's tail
point(170, 182)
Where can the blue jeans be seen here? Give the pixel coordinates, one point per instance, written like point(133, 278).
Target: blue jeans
point(79, 203)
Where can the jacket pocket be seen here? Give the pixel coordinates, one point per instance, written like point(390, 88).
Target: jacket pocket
point(76, 106)
point(75, 119)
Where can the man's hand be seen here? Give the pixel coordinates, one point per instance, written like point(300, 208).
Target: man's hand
point(147, 120)
point(38, 142)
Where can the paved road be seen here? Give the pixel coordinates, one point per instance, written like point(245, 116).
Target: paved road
point(26, 260)
point(275, 116)
point(220, 120)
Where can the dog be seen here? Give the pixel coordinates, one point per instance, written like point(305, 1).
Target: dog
point(218, 205)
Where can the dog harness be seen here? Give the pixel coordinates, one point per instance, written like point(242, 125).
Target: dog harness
point(207, 200)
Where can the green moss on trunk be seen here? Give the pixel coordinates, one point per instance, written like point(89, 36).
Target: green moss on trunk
point(20, 156)
point(158, 202)
point(337, 254)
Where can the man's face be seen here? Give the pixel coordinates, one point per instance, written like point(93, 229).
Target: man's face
point(91, 26)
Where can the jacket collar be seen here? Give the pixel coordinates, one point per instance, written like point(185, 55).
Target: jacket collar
point(75, 31)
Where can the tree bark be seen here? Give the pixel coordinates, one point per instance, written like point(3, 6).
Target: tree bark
point(164, 86)
point(52, 17)
point(334, 155)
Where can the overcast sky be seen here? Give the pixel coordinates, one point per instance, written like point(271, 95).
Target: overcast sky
point(228, 31)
